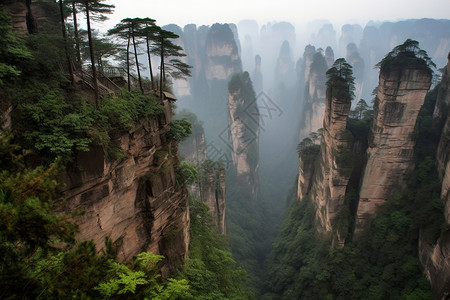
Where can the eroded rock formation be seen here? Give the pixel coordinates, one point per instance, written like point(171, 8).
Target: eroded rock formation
point(401, 94)
point(213, 191)
point(330, 180)
point(435, 255)
point(211, 186)
point(312, 114)
point(134, 200)
point(244, 130)
point(221, 53)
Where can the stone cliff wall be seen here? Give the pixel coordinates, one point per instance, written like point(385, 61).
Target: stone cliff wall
point(211, 188)
point(435, 255)
point(244, 131)
point(135, 200)
point(401, 94)
point(305, 176)
point(222, 53)
point(330, 181)
point(312, 114)
point(213, 192)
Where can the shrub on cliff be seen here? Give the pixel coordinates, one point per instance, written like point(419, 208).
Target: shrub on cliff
point(340, 81)
point(179, 130)
point(407, 55)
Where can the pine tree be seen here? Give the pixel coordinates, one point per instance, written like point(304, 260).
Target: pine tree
point(95, 10)
point(340, 79)
point(165, 48)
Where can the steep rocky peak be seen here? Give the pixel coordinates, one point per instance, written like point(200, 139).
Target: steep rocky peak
point(133, 200)
point(401, 94)
point(222, 53)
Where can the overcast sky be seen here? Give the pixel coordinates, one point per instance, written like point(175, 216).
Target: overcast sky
point(206, 12)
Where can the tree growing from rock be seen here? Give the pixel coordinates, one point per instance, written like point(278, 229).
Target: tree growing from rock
point(407, 54)
point(340, 81)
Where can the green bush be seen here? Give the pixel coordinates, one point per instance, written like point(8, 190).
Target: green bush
point(179, 130)
point(186, 173)
point(210, 269)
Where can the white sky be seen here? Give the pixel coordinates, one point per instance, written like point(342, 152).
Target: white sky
point(203, 12)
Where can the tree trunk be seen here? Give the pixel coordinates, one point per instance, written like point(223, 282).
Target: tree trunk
point(128, 61)
point(150, 63)
point(75, 31)
point(66, 48)
point(136, 59)
point(91, 52)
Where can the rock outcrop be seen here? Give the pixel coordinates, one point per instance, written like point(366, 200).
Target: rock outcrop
point(305, 175)
point(330, 180)
point(401, 94)
point(134, 200)
point(244, 130)
point(211, 186)
point(213, 191)
point(222, 53)
point(435, 255)
point(312, 114)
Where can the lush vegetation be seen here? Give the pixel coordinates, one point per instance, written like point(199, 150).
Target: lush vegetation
point(55, 120)
point(383, 262)
point(340, 81)
point(211, 271)
point(50, 116)
point(409, 55)
point(39, 256)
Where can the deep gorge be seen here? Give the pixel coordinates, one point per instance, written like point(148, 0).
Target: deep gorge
point(241, 169)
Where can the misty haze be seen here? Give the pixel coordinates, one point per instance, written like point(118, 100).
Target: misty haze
point(170, 153)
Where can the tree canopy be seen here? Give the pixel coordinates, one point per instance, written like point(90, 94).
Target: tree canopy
point(407, 54)
point(340, 79)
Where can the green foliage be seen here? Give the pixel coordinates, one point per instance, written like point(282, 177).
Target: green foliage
point(179, 130)
point(360, 110)
point(55, 127)
point(186, 173)
point(242, 83)
point(211, 271)
point(12, 50)
point(383, 262)
point(141, 280)
point(407, 55)
point(340, 81)
point(28, 224)
point(307, 148)
point(124, 111)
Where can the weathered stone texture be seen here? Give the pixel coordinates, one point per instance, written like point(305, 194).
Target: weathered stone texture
point(211, 190)
point(244, 132)
point(401, 94)
point(221, 53)
point(435, 255)
point(134, 200)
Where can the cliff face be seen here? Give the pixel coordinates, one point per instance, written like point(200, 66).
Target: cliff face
point(27, 16)
point(244, 131)
point(211, 188)
point(401, 93)
point(134, 200)
point(314, 95)
point(330, 181)
point(221, 53)
point(305, 175)
point(443, 152)
point(435, 256)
